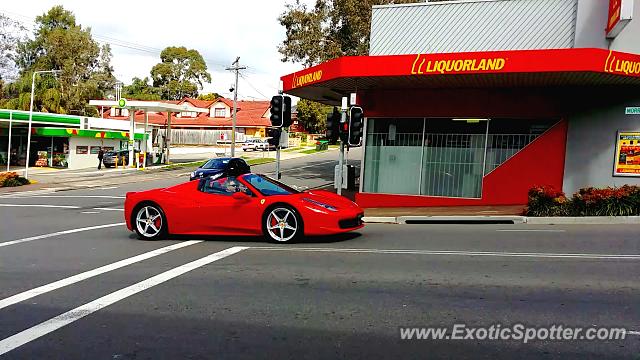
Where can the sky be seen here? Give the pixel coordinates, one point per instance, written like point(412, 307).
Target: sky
point(219, 30)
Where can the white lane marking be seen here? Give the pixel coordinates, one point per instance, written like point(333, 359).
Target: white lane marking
point(459, 253)
point(531, 230)
point(108, 209)
point(109, 188)
point(78, 313)
point(90, 212)
point(66, 196)
point(633, 332)
point(65, 232)
point(41, 205)
point(91, 273)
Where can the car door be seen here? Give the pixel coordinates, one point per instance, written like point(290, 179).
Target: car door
point(222, 213)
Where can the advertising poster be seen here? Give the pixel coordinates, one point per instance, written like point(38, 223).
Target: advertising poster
point(627, 161)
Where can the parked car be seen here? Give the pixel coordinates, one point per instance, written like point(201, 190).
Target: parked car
point(246, 205)
point(216, 166)
point(251, 145)
point(265, 146)
point(109, 158)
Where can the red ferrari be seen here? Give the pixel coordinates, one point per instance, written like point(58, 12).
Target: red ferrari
point(248, 204)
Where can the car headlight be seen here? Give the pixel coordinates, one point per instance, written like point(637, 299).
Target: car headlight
point(193, 174)
point(320, 204)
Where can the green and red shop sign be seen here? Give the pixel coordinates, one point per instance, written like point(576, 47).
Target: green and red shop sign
point(62, 132)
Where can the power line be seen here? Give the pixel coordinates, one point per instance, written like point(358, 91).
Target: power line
point(251, 85)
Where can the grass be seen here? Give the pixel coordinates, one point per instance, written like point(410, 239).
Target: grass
point(259, 161)
point(311, 151)
point(293, 149)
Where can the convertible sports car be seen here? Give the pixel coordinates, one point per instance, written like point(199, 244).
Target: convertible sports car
point(246, 204)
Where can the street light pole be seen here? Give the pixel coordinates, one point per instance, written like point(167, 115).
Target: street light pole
point(33, 84)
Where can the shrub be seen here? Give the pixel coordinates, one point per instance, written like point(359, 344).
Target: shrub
point(546, 201)
point(622, 201)
point(11, 179)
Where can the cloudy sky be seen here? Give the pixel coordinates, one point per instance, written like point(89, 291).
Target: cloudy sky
point(219, 30)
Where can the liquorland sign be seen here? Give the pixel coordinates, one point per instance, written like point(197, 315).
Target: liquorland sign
point(423, 66)
point(306, 79)
point(618, 65)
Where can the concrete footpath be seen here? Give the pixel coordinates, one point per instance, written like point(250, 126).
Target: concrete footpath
point(512, 214)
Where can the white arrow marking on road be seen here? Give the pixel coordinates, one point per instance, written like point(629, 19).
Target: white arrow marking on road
point(459, 253)
point(65, 232)
point(91, 273)
point(78, 313)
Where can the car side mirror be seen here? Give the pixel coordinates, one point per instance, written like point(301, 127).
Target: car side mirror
point(239, 195)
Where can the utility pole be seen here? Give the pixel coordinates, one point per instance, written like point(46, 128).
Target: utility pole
point(235, 67)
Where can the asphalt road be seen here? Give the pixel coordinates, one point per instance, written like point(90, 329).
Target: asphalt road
point(102, 294)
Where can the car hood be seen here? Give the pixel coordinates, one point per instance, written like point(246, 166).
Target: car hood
point(329, 198)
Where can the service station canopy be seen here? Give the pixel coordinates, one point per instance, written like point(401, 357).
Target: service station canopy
point(154, 106)
point(329, 81)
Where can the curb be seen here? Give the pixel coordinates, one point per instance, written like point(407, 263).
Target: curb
point(482, 219)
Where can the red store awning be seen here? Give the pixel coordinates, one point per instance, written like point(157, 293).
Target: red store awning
point(329, 81)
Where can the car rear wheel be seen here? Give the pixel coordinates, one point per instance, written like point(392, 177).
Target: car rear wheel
point(150, 222)
point(282, 224)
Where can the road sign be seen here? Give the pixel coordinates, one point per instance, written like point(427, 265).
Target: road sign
point(635, 110)
point(122, 102)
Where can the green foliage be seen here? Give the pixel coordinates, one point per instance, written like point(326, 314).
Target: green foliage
point(140, 89)
point(180, 73)
point(312, 115)
point(622, 201)
point(209, 96)
point(333, 28)
point(59, 43)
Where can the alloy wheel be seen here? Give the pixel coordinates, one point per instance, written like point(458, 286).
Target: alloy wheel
point(282, 224)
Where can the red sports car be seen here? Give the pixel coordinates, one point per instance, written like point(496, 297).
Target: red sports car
point(248, 204)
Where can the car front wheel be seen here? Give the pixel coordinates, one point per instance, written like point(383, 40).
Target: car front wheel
point(282, 224)
point(150, 222)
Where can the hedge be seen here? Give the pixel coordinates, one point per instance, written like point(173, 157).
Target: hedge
point(610, 201)
point(11, 179)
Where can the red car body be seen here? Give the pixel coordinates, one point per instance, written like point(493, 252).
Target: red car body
point(190, 211)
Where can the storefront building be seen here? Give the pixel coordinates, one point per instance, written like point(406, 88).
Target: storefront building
point(61, 141)
point(475, 102)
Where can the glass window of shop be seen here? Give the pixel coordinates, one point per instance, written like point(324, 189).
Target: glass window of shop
point(441, 157)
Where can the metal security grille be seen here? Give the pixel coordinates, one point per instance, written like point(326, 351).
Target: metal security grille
point(449, 165)
point(501, 147)
point(452, 165)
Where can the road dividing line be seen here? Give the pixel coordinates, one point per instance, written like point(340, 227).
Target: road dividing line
point(41, 205)
point(460, 253)
point(531, 230)
point(65, 232)
point(91, 273)
point(78, 313)
point(108, 209)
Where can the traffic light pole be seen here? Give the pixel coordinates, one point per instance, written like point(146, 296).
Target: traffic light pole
point(341, 159)
point(278, 175)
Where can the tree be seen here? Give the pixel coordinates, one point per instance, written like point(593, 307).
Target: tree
point(312, 115)
point(11, 32)
point(180, 73)
point(61, 44)
point(209, 96)
point(140, 89)
point(333, 28)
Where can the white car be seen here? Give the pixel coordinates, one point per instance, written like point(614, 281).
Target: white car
point(252, 144)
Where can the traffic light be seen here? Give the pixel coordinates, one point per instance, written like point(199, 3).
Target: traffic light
point(333, 126)
point(274, 136)
point(277, 103)
point(280, 111)
point(344, 129)
point(286, 112)
point(356, 121)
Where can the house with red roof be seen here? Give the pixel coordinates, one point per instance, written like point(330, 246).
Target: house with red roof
point(252, 117)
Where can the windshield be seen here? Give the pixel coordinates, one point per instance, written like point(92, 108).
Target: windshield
point(267, 186)
point(215, 164)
